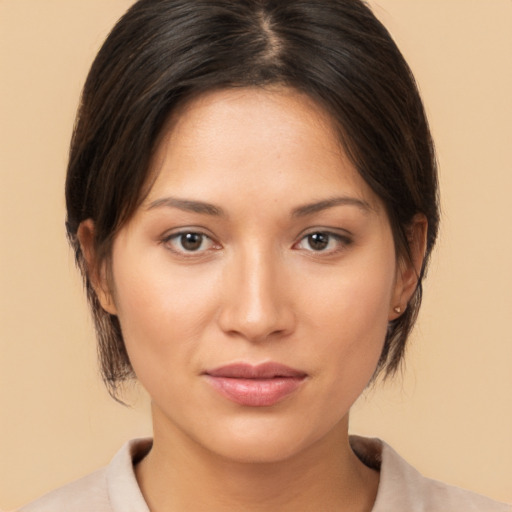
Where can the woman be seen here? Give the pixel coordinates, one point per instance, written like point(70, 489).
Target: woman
point(252, 198)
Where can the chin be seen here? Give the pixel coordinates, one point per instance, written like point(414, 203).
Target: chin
point(263, 450)
point(265, 440)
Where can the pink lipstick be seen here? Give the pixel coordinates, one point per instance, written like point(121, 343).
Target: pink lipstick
point(262, 385)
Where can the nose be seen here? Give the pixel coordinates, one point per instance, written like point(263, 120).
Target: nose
point(256, 305)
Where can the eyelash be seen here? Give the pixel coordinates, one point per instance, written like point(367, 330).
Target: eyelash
point(168, 242)
point(342, 241)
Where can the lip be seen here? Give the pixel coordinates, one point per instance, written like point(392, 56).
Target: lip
point(260, 385)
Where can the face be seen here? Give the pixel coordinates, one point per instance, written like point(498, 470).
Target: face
point(255, 284)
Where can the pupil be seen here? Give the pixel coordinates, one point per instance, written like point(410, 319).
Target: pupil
point(191, 241)
point(318, 241)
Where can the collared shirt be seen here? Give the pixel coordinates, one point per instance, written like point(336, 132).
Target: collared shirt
point(114, 488)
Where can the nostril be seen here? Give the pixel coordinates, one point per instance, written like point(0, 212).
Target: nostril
point(255, 329)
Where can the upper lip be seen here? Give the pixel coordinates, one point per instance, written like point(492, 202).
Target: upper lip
point(269, 370)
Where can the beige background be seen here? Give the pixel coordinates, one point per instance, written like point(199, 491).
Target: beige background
point(450, 415)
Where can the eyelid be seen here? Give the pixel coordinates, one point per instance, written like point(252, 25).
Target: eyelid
point(333, 231)
point(343, 237)
point(176, 233)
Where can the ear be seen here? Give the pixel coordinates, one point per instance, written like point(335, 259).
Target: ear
point(408, 270)
point(96, 271)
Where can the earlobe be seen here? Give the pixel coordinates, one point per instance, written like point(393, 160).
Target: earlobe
point(96, 271)
point(409, 269)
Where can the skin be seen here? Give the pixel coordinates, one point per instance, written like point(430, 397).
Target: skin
point(255, 289)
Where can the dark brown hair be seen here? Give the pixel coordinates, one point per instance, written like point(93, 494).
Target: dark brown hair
point(162, 52)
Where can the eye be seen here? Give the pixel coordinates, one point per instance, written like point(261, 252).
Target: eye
point(322, 241)
point(189, 242)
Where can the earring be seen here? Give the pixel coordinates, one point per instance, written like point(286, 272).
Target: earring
point(397, 310)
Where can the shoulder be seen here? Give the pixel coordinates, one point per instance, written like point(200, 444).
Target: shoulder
point(403, 488)
point(402, 482)
point(88, 493)
point(111, 489)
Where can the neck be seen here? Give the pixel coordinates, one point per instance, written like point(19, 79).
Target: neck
point(179, 474)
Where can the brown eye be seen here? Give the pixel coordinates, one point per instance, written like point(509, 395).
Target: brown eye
point(318, 241)
point(188, 242)
point(191, 241)
point(324, 242)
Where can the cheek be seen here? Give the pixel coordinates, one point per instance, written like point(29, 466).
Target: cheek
point(162, 311)
point(352, 317)
point(354, 304)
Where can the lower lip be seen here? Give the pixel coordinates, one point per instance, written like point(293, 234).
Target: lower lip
point(255, 392)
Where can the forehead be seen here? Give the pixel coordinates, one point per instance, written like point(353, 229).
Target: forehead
point(274, 141)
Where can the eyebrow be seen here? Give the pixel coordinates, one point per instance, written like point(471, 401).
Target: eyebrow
point(187, 205)
point(309, 209)
point(301, 211)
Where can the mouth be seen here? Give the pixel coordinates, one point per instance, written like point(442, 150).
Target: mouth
point(260, 385)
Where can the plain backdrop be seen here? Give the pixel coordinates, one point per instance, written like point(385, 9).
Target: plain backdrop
point(450, 414)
